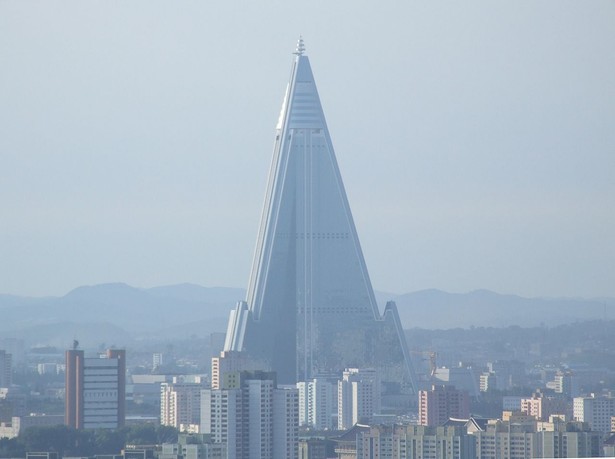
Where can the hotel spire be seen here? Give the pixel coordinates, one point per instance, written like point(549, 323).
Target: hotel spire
point(300, 49)
point(310, 308)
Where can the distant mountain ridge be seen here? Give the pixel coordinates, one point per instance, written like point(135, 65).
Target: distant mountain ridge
point(135, 313)
point(483, 308)
point(127, 312)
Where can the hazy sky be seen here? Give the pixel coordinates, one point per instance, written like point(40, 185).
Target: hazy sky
point(476, 139)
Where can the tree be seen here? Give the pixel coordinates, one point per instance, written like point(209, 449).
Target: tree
point(53, 438)
point(12, 447)
point(67, 441)
point(150, 434)
point(109, 441)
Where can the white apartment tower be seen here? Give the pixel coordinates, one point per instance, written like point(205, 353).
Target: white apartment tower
point(316, 403)
point(180, 404)
point(285, 422)
point(229, 363)
point(260, 415)
point(358, 397)
point(157, 360)
point(567, 383)
point(222, 417)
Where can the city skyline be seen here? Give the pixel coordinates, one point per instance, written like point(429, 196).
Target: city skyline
point(475, 141)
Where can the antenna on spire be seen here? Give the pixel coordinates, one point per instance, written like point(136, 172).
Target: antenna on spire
point(300, 47)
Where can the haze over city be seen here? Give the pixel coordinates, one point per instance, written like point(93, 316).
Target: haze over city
point(432, 273)
point(475, 140)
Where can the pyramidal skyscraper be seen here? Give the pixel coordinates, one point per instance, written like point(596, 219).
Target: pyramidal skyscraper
point(310, 308)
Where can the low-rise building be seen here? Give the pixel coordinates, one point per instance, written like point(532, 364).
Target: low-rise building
point(313, 448)
point(193, 446)
point(522, 437)
point(416, 442)
point(608, 447)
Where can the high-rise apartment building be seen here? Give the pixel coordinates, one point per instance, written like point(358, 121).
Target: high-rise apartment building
point(595, 410)
point(15, 347)
point(260, 414)
point(358, 397)
point(228, 365)
point(180, 404)
point(253, 417)
point(310, 306)
point(6, 369)
point(95, 389)
point(157, 360)
point(438, 405)
point(487, 381)
point(566, 383)
point(223, 415)
point(285, 422)
point(541, 406)
point(316, 403)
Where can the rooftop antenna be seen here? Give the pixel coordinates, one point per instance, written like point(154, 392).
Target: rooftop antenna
point(75, 344)
point(300, 47)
